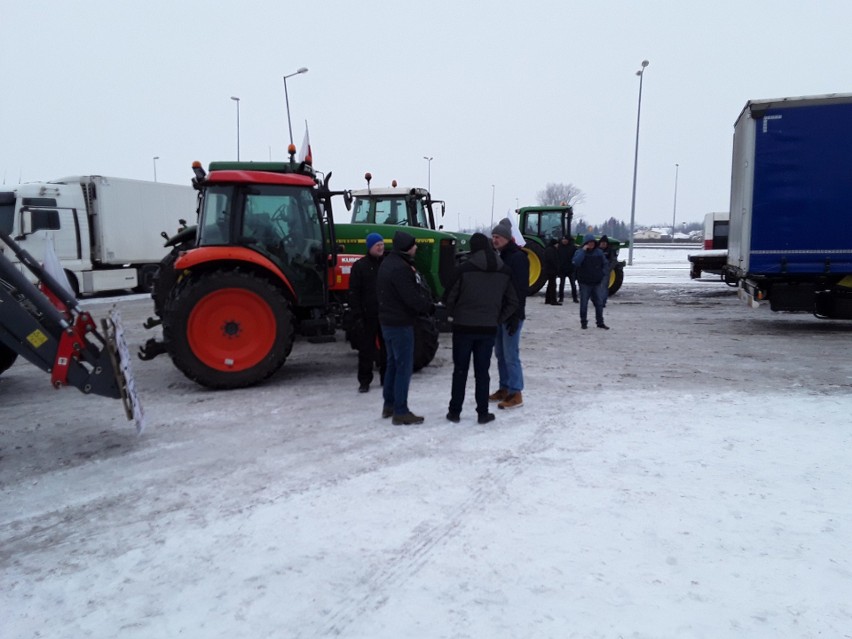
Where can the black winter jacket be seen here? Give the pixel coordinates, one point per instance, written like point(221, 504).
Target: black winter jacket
point(481, 294)
point(589, 266)
point(551, 261)
point(363, 295)
point(402, 295)
point(566, 255)
point(516, 259)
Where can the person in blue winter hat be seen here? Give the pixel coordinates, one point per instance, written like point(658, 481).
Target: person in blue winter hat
point(366, 334)
point(589, 265)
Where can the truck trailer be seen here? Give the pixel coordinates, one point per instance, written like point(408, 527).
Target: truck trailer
point(714, 256)
point(106, 231)
point(790, 239)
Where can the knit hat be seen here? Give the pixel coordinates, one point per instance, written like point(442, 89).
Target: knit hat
point(506, 222)
point(373, 239)
point(503, 231)
point(402, 241)
point(604, 238)
point(588, 237)
point(478, 242)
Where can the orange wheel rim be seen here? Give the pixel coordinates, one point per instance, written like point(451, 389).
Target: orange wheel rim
point(231, 329)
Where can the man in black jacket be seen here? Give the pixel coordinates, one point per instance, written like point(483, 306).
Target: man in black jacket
point(402, 297)
point(566, 250)
point(508, 344)
point(364, 304)
point(551, 270)
point(479, 298)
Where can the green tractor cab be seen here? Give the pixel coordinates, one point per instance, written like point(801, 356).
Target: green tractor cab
point(539, 225)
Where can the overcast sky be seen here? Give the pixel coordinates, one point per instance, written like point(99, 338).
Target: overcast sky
point(510, 94)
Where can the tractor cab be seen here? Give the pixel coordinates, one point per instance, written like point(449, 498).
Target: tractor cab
point(273, 210)
point(397, 206)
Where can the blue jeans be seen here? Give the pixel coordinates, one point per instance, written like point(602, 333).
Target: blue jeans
point(479, 346)
point(592, 291)
point(508, 351)
point(399, 343)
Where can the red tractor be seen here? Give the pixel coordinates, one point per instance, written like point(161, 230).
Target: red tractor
point(262, 266)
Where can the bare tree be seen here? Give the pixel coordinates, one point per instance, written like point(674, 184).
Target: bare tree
point(557, 194)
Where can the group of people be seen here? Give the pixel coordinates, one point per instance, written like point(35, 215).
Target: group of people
point(486, 301)
point(589, 267)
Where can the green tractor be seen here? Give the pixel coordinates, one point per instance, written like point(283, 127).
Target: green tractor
point(411, 209)
point(540, 224)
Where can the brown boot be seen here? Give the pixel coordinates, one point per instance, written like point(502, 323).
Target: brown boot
point(498, 396)
point(512, 401)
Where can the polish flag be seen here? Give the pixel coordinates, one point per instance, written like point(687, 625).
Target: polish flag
point(305, 154)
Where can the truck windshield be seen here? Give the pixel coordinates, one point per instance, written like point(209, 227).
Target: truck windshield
point(7, 213)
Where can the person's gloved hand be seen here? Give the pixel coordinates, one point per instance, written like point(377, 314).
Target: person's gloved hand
point(512, 325)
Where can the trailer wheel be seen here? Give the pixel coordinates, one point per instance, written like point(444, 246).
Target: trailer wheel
point(7, 358)
point(616, 279)
point(535, 253)
point(425, 341)
point(228, 329)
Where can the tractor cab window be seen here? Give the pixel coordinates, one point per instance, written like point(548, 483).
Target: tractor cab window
point(421, 216)
point(214, 227)
point(361, 211)
point(392, 211)
point(545, 224)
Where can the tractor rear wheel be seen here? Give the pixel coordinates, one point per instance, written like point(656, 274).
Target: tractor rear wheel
point(228, 329)
point(425, 341)
point(7, 357)
point(616, 279)
point(535, 252)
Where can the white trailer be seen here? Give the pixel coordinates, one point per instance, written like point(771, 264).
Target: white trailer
point(106, 231)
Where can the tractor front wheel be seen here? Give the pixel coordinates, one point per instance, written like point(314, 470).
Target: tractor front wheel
point(425, 341)
point(228, 329)
point(616, 279)
point(535, 253)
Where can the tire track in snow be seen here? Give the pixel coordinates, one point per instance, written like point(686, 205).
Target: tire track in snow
point(386, 574)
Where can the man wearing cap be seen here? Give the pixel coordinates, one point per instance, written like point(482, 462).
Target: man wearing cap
point(402, 298)
point(364, 304)
point(589, 267)
point(508, 343)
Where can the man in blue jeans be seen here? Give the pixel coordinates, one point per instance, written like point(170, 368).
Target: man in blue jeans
point(589, 265)
point(508, 344)
point(479, 298)
point(402, 298)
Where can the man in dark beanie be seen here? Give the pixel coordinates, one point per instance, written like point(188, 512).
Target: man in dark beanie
point(364, 304)
point(508, 343)
point(479, 298)
point(402, 297)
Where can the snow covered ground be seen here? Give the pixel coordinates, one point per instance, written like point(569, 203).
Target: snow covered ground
point(685, 474)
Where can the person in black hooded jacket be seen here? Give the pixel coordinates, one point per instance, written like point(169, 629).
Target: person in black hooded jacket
point(402, 298)
point(364, 303)
point(479, 298)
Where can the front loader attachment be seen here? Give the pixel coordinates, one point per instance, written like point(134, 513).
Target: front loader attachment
point(52, 331)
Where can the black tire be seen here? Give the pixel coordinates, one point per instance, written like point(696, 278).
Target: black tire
point(7, 358)
point(425, 341)
point(616, 279)
point(163, 282)
point(535, 252)
point(145, 278)
point(228, 328)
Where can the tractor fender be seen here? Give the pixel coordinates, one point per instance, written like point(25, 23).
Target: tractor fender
point(217, 254)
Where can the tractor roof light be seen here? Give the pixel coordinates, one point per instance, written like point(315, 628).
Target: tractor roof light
point(393, 183)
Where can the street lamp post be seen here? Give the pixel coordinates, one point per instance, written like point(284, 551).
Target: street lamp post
point(156, 157)
point(237, 100)
point(429, 174)
point(674, 208)
point(641, 74)
point(287, 98)
point(492, 206)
